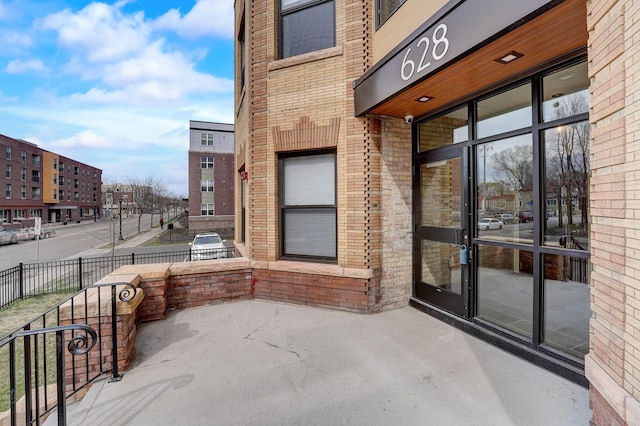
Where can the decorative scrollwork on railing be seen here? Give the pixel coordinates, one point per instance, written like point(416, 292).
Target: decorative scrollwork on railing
point(126, 294)
point(79, 343)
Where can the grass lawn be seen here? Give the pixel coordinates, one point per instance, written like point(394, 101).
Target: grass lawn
point(15, 316)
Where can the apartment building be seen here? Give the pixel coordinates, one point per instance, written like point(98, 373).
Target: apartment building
point(371, 136)
point(39, 183)
point(211, 177)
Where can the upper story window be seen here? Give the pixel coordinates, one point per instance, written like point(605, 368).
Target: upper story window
point(35, 160)
point(306, 26)
point(206, 162)
point(7, 154)
point(206, 139)
point(55, 164)
point(243, 51)
point(8, 173)
point(385, 9)
point(23, 157)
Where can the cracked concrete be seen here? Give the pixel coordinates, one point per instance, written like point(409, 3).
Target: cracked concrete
point(231, 364)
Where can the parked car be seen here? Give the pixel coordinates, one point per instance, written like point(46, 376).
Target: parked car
point(208, 246)
point(507, 218)
point(525, 216)
point(489, 223)
point(7, 236)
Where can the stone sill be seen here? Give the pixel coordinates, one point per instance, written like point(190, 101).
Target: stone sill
point(306, 58)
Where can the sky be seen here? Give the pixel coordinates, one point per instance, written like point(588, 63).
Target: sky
point(113, 84)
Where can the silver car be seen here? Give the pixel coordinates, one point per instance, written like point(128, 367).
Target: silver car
point(208, 246)
point(7, 236)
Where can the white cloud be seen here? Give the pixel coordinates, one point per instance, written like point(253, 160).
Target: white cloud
point(18, 66)
point(99, 32)
point(207, 18)
point(84, 139)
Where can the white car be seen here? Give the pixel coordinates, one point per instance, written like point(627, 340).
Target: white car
point(7, 236)
point(208, 246)
point(489, 223)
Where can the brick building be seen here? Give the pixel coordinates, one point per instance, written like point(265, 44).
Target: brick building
point(369, 132)
point(211, 176)
point(39, 183)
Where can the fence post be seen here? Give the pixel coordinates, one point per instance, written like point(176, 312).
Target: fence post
point(80, 273)
point(133, 258)
point(21, 281)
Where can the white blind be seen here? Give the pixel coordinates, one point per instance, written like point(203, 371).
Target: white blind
point(310, 232)
point(309, 180)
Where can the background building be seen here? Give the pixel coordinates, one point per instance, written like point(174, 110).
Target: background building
point(39, 183)
point(211, 177)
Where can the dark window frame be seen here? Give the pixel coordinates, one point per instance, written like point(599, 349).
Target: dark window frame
point(284, 208)
point(382, 15)
point(282, 14)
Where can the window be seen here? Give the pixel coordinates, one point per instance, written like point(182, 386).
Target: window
point(76, 196)
point(206, 186)
point(35, 193)
point(61, 167)
point(55, 179)
point(35, 176)
point(308, 211)
point(306, 26)
point(242, 53)
point(4, 216)
point(7, 153)
point(23, 192)
point(207, 210)
point(23, 174)
point(8, 190)
point(55, 194)
point(35, 160)
point(385, 9)
point(206, 162)
point(23, 157)
point(55, 164)
point(8, 172)
point(75, 170)
point(206, 139)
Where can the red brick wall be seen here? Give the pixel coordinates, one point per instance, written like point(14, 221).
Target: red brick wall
point(603, 413)
point(345, 293)
point(186, 291)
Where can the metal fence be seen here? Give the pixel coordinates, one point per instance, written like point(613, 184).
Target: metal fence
point(32, 279)
point(36, 377)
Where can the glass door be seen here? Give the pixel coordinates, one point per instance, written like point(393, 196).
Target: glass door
point(442, 229)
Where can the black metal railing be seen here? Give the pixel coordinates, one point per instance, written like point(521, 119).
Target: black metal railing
point(39, 362)
point(67, 276)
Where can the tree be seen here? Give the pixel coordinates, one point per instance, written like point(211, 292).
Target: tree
point(148, 195)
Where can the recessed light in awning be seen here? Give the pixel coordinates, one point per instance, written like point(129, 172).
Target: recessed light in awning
point(509, 57)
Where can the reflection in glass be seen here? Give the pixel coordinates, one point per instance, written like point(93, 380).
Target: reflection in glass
point(506, 111)
point(505, 288)
point(504, 176)
point(566, 177)
point(445, 130)
point(566, 92)
point(566, 304)
point(441, 265)
point(441, 193)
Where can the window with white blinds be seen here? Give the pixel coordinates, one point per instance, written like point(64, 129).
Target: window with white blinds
point(308, 206)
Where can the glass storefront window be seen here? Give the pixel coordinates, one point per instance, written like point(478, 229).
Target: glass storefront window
point(566, 304)
point(565, 93)
point(566, 178)
point(505, 288)
point(510, 110)
point(445, 130)
point(504, 176)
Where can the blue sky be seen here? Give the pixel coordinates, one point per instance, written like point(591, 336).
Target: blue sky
point(114, 83)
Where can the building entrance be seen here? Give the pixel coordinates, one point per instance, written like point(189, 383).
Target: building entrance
point(443, 231)
point(501, 196)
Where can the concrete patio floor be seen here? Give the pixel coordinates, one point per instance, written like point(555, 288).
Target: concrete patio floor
point(264, 363)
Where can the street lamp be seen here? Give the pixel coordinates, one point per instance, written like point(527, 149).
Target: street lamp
point(120, 237)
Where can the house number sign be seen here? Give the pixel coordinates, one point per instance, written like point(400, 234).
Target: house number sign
point(418, 57)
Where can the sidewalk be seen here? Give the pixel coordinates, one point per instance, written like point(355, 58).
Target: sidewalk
point(264, 363)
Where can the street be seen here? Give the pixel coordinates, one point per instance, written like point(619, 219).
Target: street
point(74, 240)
